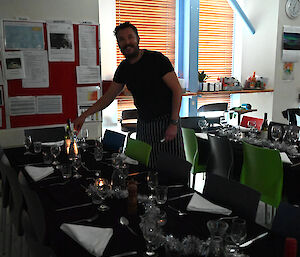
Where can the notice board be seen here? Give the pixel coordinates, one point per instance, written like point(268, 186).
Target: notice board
point(53, 101)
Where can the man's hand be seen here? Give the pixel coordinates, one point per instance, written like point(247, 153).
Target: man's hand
point(171, 132)
point(78, 122)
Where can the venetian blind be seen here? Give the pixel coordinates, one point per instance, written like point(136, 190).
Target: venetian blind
point(215, 38)
point(155, 21)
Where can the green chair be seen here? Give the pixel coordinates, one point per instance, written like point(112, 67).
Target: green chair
point(191, 152)
point(138, 150)
point(263, 171)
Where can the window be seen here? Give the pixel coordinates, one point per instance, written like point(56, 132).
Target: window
point(155, 21)
point(215, 38)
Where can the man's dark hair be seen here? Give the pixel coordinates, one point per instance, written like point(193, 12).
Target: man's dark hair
point(125, 25)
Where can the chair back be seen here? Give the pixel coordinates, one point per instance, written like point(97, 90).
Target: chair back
point(190, 146)
point(34, 209)
point(129, 120)
point(262, 170)
point(286, 221)
point(113, 141)
point(192, 122)
point(16, 202)
point(138, 150)
point(292, 115)
point(220, 160)
point(256, 121)
point(46, 134)
point(172, 170)
point(242, 200)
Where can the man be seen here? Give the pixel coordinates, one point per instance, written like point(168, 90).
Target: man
point(156, 91)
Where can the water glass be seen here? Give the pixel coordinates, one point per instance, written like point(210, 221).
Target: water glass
point(37, 147)
point(217, 228)
point(238, 231)
point(161, 194)
point(27, 144)
point(216, 247)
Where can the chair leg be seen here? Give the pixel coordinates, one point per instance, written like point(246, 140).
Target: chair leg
point(194, 180)
point(266, 214)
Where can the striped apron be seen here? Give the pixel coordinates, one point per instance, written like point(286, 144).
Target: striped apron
point(152, 132)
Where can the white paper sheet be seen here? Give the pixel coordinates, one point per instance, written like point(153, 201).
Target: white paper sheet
point(49, 104)
point(291, 46)
point(94, 117)
point(87, 45)
point(14, 65)
point(23, 35)
point(22, 105)
point(60, 42)
point(285, 158)
point(88, 75)
point(36, 69)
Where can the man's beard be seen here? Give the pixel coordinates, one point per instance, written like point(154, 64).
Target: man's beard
point(135, 53)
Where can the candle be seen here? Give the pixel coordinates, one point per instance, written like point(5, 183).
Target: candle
point(75, 148)
point(68, 143)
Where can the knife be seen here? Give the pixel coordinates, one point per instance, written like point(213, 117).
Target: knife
point(74, 206)
point(254, 239)
point(125, 254)
point(178, 197)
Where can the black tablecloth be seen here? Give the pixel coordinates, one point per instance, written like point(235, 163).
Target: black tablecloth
point(73, 192)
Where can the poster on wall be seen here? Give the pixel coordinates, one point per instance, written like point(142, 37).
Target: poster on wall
point(88, 75)
point(86, 97)
point(291, 44)
point(14, 65)
point(22, 105)
point(49, 104)
point(288, 71)
point(36, 69)
point(23, 35)
point(60, 42)
point(87, 45)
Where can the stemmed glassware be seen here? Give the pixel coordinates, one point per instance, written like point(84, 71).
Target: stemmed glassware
point(76, 164)
point(55, 151)
point(84, 136)
point(152, 181)
point(238, 231)
point(276, 135)
point(27, 144)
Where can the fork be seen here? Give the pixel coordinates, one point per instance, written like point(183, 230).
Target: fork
point(179, 212)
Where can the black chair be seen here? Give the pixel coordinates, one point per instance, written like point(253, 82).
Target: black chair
point(192, 123)
point(172, 170)
point(129, 121)
point(239, 198)
point(220, 161)
point(291, 115)
point(46, 134)
point(287, 221)
point(211, 108)
point(36, 248)
point(113, 141)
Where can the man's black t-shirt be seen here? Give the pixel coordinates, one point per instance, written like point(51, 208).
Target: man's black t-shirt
point(152, 97)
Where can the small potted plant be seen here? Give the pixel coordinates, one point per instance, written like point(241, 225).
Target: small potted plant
point(202, 77)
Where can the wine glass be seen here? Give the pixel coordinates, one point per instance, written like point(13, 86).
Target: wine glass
point(55, 151)
point(102, 192)
point(276, 133)
point(238, 231)
point(152, 181)
point(27, 144)
point(84, 136)
point(152, 234)
point(76, 164)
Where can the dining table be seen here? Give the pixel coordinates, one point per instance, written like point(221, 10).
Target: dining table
point(65, 201)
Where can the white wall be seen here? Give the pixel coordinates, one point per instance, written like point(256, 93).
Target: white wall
point(285, 92)
point(71, 10)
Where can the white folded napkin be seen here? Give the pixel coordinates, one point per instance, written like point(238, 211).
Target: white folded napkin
point(198, 203)
point(285, 158)
point(129, 160)
point(38, 173)
point(59, 143)
point(93, 239)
